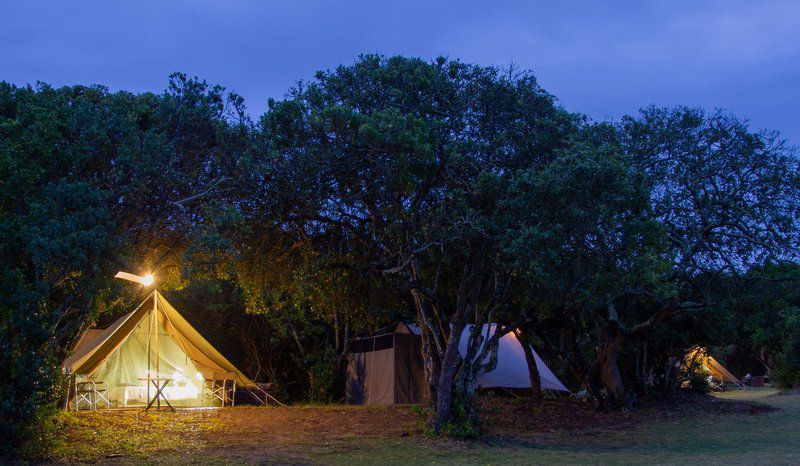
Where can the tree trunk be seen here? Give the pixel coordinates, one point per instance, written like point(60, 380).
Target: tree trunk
point(609, 372)
point(533, 369)
point(450, 363)
point(441, 340)
point(430, 353)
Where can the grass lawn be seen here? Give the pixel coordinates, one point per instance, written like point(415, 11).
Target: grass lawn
point(561, 432)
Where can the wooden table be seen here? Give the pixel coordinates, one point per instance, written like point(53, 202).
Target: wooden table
point(160, 383)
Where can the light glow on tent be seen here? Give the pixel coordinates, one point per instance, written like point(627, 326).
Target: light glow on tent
point(148, 280)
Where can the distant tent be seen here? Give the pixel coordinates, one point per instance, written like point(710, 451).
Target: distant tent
point(388, 368)
point(712, 366)
point(512, 367)
point(153, 340)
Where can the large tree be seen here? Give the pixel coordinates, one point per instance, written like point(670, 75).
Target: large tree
point(582, 236)
point(90, 182)
point(727, 197)
point(411, 159)
point(673, 200)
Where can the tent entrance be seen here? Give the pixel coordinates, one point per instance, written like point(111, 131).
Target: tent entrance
point(140, 357)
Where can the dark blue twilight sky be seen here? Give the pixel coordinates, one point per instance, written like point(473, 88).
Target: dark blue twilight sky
point(603, 58)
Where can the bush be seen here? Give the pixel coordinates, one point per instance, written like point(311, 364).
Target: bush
point(465, 418)
point(695, 378)
point(323, 377)
point(786, 377)
point(786, 374)
point(787, 370)
point(41, 435)
point(29, 392)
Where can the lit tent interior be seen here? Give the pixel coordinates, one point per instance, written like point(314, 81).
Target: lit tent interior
point(712, 366)
point(153, 340)
point(388, 368)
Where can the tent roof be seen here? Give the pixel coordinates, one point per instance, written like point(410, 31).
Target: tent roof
point(405, 327)
point(93, 339)
point(96, 346)
point(86, 340)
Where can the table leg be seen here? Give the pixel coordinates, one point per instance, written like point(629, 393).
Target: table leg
point(152, 400)
point(159, 396)
point(165, 398)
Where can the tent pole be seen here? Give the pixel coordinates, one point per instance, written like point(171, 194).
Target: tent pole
point(155, 328)
point(149, 330)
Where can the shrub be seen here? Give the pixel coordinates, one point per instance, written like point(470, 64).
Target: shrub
point(694, 378)
point(465, 418)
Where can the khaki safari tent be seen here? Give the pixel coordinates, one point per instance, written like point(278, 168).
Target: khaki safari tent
point(388, 368)
point(714, 368)
point(151, 349)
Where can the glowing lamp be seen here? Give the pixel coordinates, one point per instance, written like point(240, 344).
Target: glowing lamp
point(147, 280)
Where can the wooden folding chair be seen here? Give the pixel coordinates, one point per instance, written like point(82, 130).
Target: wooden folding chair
point(101, 394)
point(222, 387)
point(84, 393)
point(90, 393)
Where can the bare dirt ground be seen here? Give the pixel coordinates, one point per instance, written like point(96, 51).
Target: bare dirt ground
point(247, 432)
point(356, 435)
point(241, 434)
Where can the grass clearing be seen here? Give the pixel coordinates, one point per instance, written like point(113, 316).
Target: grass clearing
point(561, 433)
point(744, 438)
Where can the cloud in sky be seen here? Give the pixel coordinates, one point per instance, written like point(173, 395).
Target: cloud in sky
point(605, 59)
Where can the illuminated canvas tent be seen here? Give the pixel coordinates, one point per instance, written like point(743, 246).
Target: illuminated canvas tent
point(153, 340)
point(388, 368)
point(711, 365)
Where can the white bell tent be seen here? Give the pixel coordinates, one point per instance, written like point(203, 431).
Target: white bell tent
point(511, 370)
point(512, 367)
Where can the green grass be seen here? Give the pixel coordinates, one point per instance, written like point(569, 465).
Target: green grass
point(132, 434)
point(772, 438)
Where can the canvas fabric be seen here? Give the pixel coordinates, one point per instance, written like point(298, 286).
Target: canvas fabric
point(119, 356)
point(409, 370)
point(512, 367)
point(371, 378)
point(124, 369)
point(389, 369)
point(386, 369)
